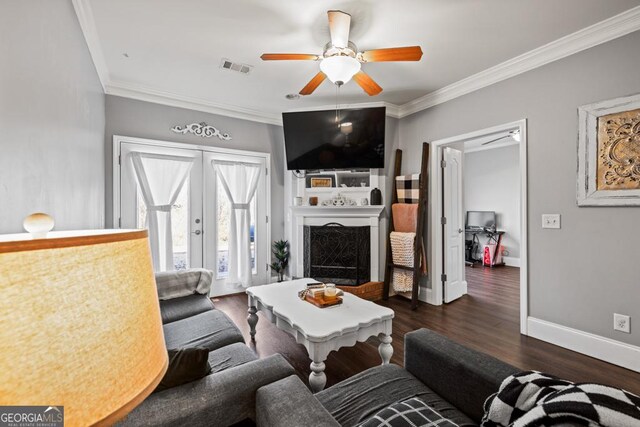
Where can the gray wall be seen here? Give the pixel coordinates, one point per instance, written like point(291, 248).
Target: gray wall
point(141, 119)
point(51, 118)
point(492, 183)
point(583, 273)
point(392, 143)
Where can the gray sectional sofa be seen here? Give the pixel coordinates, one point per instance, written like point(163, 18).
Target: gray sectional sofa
point(452, 379)
point(225, 396)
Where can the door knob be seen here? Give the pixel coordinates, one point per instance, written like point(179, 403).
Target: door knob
point(197, 232)
point(460, 230)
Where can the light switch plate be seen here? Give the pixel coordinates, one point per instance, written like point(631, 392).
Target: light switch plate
point(550, 220)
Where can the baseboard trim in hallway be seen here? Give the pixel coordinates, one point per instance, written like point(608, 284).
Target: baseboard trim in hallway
point(612, 351)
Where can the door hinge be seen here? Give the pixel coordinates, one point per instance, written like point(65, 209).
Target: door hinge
point(119, 159)
point(266, 171)
point(443, 277)
point(443, 220)
point(267, 267)
point(267, 218)
point(119, 222)
point(443, 163)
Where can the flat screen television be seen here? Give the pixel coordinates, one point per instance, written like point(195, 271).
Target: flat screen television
point(481, 219)
point(316, 140)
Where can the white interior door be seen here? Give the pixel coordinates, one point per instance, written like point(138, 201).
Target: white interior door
point(186, 212)
point(455, 284)
point(217, 211)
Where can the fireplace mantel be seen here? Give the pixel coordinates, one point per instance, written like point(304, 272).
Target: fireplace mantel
point(345, 215)
point(338, 211)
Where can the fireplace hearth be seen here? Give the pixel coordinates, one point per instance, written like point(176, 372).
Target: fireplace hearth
point(338, 254)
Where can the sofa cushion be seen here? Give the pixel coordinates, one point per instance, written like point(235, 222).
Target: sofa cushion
point(211, 329)
point(359, 397)
point(183, 307)
point(409, 413)
point(185, 365)
point(229, 356)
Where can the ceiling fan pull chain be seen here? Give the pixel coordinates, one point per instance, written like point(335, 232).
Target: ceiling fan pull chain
point(337, 107)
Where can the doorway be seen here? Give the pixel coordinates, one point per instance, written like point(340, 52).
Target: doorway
point(200, 208)
point(452, 235)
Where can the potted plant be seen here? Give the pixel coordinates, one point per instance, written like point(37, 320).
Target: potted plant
point(281, 253)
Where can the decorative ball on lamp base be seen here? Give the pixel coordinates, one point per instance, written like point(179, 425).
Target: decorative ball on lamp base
point(38, 224)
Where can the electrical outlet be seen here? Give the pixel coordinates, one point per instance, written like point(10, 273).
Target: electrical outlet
point(550, 220)
point(621, 323)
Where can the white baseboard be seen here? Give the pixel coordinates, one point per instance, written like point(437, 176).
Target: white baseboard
point(511, 261)
point(612, 351)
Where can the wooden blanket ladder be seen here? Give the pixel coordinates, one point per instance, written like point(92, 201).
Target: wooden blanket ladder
point(422, 211)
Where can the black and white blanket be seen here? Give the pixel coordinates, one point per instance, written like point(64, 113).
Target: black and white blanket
point(531, 399)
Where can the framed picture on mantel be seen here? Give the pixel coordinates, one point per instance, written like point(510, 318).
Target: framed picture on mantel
point(322, 182)
point(609, 153)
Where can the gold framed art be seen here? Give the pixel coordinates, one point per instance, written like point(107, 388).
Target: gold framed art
point(609, 153)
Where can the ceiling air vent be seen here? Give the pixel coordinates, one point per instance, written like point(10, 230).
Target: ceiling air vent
point(235, 66)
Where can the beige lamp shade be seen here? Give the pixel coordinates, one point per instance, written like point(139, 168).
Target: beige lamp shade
point(80, 323)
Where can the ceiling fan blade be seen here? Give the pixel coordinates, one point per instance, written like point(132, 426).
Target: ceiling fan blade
point(408, 53)
point(339, 24)
point(313, 84)
point(372, 88)
point(289, 57)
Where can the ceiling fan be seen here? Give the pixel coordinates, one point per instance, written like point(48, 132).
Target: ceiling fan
point(341, 61)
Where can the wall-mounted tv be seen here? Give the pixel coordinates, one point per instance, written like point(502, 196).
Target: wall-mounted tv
point(349, 139)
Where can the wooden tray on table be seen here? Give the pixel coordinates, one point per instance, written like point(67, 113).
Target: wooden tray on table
point(323, 301)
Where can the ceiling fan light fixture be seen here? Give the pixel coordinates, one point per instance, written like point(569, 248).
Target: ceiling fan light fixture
point(340, 69)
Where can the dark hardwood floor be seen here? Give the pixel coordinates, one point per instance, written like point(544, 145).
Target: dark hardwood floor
point(487, 319)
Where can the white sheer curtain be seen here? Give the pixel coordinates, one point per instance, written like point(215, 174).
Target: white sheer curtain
point(239, 181)
point(160, 179)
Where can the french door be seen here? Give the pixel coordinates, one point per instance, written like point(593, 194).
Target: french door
point(200, 216)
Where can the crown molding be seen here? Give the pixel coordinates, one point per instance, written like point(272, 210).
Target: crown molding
point(594, 35)
point(88, 27)
point(143, 93)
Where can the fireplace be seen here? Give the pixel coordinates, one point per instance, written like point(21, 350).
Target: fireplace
point(337, 253)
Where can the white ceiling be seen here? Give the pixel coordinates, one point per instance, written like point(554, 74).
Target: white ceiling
point(175, 47)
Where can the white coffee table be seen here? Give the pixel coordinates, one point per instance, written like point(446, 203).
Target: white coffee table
point(321, 330)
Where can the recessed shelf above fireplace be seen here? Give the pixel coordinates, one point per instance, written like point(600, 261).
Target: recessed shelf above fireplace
point(339, 179)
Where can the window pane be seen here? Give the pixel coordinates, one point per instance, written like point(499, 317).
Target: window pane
point(180, 230)
point(224, 213)
point(253, 235)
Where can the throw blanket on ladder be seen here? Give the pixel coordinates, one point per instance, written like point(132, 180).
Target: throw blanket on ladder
point(402, 254)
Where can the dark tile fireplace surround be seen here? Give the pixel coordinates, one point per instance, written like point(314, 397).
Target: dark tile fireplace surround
point(337, 254)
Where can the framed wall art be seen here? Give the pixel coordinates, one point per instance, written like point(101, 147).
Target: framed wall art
point(609, 153)
point(321, 182)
